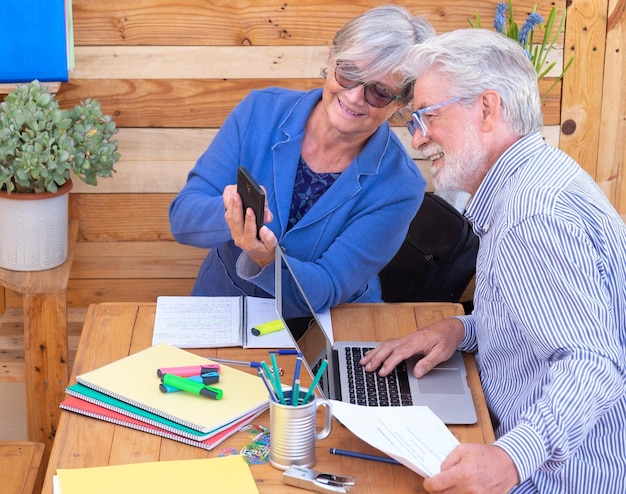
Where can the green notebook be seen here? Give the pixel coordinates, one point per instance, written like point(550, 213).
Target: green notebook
point(94, 410)
point(106, 401)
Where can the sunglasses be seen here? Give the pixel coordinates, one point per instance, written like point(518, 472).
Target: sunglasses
point(374, 94)
point(417, 117)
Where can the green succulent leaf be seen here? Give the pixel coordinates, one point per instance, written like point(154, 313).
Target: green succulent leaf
point(40, 143)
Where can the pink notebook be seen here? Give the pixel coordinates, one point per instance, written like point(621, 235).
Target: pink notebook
point(76, 405)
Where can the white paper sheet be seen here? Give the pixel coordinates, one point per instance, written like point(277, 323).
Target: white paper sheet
point(414, 436)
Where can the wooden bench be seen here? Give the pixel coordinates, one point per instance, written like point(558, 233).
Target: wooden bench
point(45, 342)
point(21, 469)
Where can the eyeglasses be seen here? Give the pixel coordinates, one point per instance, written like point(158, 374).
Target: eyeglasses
point(417, 120)
point(374, 94)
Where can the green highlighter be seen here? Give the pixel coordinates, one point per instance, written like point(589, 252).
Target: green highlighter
point(191, 386)
point(268, 327)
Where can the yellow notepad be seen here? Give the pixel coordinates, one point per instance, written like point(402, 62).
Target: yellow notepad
point(227, 475)
point(134, 380)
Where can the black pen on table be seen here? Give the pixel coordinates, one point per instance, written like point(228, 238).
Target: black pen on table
point(363, 456)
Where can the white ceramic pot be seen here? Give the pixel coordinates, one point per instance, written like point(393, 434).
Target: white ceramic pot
point(33, 230)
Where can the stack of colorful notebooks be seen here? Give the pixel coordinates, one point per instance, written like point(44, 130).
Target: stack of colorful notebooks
point(126, 392)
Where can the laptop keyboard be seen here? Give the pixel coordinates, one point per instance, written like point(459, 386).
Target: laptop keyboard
point(368, 388)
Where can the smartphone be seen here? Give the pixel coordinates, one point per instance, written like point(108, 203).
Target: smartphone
point(252, 196)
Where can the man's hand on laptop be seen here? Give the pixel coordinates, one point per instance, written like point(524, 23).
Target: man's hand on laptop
point(436, 343)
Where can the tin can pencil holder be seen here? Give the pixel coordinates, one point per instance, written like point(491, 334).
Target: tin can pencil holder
point(293, 430)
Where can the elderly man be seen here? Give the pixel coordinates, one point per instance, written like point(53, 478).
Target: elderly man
point(549, 323)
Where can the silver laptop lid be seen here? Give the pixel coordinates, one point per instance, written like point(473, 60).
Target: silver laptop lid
point(306, 330)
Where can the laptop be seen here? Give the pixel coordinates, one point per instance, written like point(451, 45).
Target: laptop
point(444, 389)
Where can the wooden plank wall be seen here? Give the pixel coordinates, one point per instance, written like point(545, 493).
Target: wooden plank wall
point(593, 110)
point(169, 72)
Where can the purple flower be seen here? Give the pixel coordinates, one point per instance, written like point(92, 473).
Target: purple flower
point(532, 20)
point(499, 20)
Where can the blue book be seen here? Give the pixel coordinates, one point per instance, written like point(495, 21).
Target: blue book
point(33, 43)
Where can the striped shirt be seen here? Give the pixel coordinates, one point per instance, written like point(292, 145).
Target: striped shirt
point(549, 320)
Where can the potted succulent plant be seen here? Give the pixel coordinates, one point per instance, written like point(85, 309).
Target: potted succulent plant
point(41, 147)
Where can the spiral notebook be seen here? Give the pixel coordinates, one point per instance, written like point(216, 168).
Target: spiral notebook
point(133, 380)
point(90, 395)
point(89, 409)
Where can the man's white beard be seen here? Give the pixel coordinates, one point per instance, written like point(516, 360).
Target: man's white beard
point(459, 165)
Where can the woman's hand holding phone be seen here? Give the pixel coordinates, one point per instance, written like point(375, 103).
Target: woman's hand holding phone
point(245, 231)
point(252, 196)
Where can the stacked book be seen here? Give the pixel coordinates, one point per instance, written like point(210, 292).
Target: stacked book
point(127, 392)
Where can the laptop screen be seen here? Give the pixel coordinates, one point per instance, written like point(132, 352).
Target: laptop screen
point(306, 330)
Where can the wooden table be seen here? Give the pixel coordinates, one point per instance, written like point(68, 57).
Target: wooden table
point(113, 330)
point(45, 342)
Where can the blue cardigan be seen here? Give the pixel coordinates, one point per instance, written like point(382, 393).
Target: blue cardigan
point(344, 240)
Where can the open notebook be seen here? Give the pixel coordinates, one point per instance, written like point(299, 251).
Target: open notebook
point(444, 390)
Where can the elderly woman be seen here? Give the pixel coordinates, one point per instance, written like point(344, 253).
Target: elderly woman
point(341, 189)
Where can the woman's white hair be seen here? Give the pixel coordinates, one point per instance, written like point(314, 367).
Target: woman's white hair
point(376, 43)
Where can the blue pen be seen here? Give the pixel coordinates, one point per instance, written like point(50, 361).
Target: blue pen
point(284, 352)
point(244, 363)
point(363, 456)
point(273, 396)
point(278, 390)
point(295, 388)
